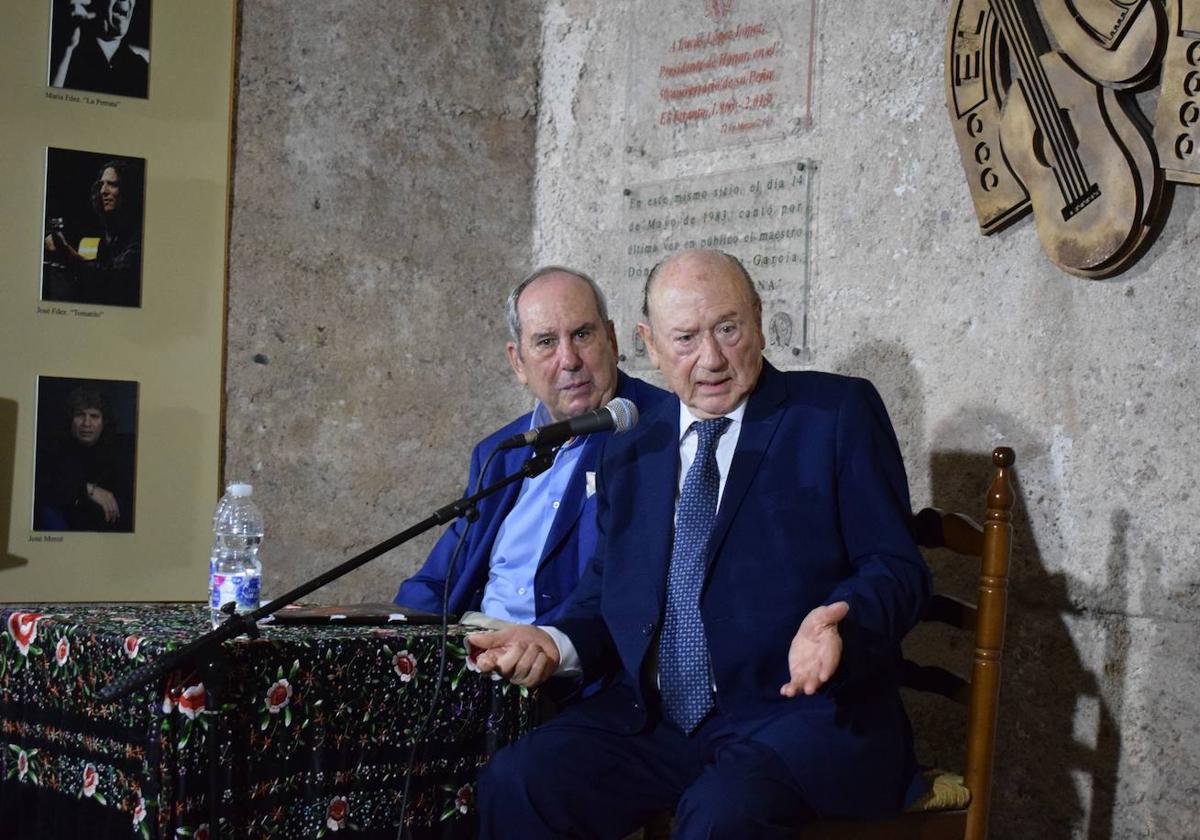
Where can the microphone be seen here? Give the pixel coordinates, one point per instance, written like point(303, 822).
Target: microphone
point(620, 415)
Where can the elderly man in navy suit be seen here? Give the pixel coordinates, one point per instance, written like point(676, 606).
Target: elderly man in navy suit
point(752, 580)
point(523, 557)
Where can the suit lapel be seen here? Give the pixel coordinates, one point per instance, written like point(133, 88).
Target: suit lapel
point(759, 423)
point(657, 475)
point(574, 498)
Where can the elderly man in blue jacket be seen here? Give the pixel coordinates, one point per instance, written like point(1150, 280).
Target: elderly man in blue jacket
point(753, 577)
point(523, 557)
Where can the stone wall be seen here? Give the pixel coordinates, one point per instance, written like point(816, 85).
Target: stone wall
point(382, 209)
point(399, 164)
point(974, 342)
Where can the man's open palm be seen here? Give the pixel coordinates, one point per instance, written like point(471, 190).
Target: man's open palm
point(816, 650)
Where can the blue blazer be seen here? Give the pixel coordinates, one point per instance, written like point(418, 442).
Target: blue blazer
point(815, 510)
point(568, 546)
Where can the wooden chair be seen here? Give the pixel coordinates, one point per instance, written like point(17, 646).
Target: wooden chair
point(957, 808)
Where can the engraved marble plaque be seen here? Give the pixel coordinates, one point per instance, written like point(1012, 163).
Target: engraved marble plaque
point(705, 74)
point(763, 216)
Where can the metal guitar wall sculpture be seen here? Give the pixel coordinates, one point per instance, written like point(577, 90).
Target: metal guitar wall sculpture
point(1045, 119)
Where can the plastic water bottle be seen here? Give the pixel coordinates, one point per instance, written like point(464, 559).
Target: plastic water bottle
point(234, 569)
point(222, 506)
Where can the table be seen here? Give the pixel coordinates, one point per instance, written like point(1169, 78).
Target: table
point(302, 733)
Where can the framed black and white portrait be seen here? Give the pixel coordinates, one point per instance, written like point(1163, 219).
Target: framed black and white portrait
point(101, 46)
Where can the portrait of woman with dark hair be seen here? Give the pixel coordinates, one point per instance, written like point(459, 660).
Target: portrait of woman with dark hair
point(104, 265)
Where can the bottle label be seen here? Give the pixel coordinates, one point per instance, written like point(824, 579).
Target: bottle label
point(242, 589)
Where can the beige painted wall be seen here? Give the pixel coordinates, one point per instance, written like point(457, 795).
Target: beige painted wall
point(171, 346)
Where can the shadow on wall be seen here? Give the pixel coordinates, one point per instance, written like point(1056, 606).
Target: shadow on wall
point(1058, 746)
point(8, 457)
point(890, 368)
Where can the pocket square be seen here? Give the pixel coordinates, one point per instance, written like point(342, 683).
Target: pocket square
point(590, 479)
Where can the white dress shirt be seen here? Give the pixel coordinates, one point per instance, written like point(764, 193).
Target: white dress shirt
point(568, 658)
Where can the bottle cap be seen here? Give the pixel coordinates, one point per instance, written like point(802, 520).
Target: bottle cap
point(239, 490)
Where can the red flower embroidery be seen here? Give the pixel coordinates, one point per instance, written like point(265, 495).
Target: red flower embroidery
point(23, 629)
point(132, 643)
point(22, 765)
point(62, 651)
point(404, 665)
point(201, 832)
point(472, 665)
point(191, 702)
point(139, 811)
point(279, 696)
point(335, 817)
point(464, 799)
point(90, 779)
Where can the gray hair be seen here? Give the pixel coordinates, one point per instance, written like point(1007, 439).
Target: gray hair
point(734, 261)
point(510, 306)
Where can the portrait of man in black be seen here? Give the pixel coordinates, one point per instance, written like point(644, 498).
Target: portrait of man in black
point(101, 46)
point(84, 465)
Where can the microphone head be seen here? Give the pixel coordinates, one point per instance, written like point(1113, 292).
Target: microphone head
point(624, 414)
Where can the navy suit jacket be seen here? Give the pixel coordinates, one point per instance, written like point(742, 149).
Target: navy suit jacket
point(815, 510)
point(568, 546)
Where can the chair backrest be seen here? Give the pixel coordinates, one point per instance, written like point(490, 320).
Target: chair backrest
point(981, 693)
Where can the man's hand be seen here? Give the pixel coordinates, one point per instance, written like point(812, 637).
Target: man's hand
point(107, 502)
point(57, 242)
point(816, 650)
point(523, 653)
point(81, 10)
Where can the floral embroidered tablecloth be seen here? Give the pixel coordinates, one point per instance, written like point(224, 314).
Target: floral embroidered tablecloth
point(302, 733)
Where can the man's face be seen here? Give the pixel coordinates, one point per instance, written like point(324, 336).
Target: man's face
point(113, 17)
point(705, 332)
point(567, 356)
point(110, 190)
point(86, 425)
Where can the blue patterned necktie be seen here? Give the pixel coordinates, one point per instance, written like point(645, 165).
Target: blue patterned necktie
point(683, 671)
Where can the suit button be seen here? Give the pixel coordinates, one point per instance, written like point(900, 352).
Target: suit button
point(648, 630)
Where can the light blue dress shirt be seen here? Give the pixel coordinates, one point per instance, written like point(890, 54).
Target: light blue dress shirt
point(521, 539)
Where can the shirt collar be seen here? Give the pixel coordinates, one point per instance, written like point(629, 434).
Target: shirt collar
point(540, 416)
point(686, 418)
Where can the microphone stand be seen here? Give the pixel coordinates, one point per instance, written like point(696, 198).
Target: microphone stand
point(247, 623)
